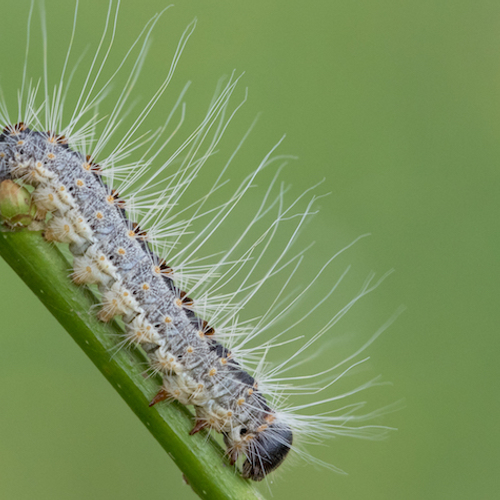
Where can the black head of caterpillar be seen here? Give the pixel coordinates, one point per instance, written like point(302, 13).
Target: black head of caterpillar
point(267, 450)
point(265, 446)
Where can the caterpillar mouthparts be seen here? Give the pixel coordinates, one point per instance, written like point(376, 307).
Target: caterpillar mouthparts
point(119, 220)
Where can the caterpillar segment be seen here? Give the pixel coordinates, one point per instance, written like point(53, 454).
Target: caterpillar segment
point(112, 253)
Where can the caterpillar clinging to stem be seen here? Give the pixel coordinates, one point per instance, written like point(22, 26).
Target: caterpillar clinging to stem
point(127, 218)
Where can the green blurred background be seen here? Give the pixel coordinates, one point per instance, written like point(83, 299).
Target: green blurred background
point(396, 105)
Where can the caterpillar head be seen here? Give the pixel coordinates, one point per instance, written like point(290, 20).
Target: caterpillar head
point(265, 448)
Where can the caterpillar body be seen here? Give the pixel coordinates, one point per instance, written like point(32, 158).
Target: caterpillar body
point(113, 253)
point(181, 330)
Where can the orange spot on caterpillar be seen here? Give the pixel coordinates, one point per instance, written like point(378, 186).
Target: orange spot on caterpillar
point(14, 129)
point(163, 269)
point(240, 401)
point(145, 286)
point(141, 234)
point(212, 372)
point(270, 418)
point(189, 349)
point(167, 319)
point(53, 138)
point(80, 183)
point(51, 156)
point(99, 215)
point(121, 251)
point(91, 166)
point(116, 198)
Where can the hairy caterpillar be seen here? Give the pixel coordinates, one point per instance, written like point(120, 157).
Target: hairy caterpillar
point(88, 214)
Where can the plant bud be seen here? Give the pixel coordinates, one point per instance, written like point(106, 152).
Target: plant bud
point(16, 207)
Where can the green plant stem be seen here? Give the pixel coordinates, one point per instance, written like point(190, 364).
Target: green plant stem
point(45, 270)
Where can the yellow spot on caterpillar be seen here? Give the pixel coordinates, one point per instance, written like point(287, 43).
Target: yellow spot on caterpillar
point(99, 215)
point(2, 155)
point(121, 251)
point(39, 164)
point(212, 372)
point(110, 199)
point(229, 413)
point(125, 294)
point(80, 183)
point(62, 188)
point(178, 302)
point(223, 361)
point(177, 393)
point(66, 228)
point(51, 197)
point(190, 349)
point(157, 270)
point(145, 286)
point(262, 427)
point(200, 387)
point(20, 143)
point(270, 419)
point(131, 234)
point(201, 334)
point(114, 302)
point(86, 166)
point(102, 258)
point(167, 319)
point(250, 392)
point(88, 269)
point(240, 401)
point(51, 156)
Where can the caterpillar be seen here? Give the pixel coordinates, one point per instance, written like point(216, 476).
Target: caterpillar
point(118, 218)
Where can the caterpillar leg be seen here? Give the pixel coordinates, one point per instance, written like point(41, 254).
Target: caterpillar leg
point(162, 395)
point(198, 426)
